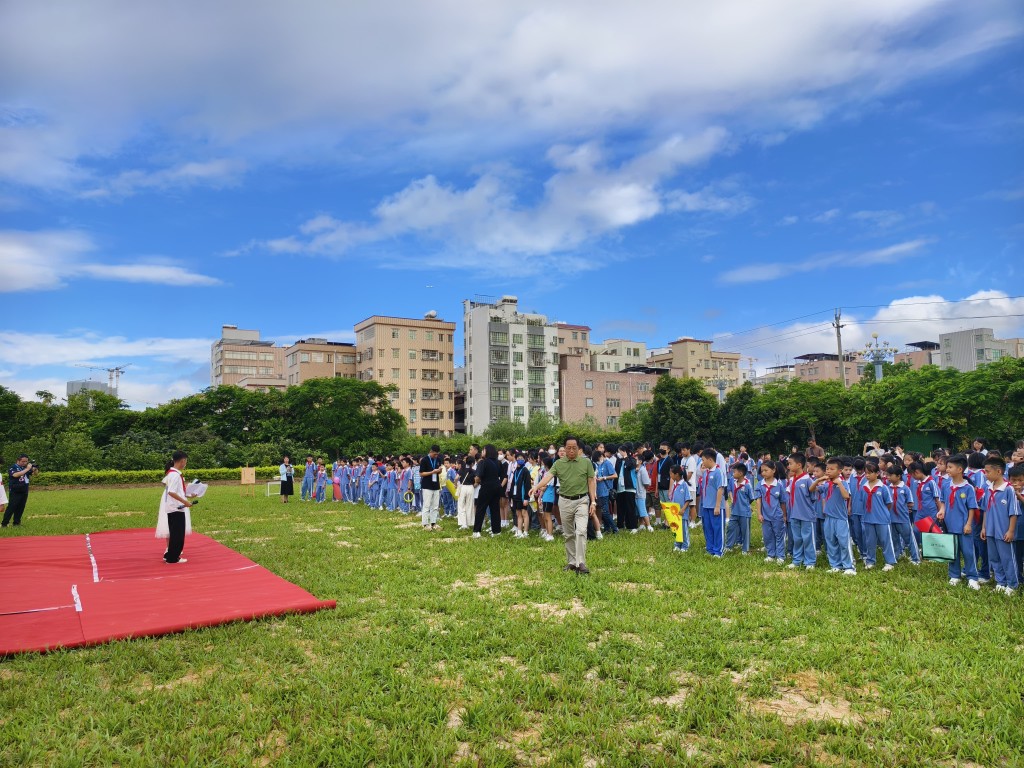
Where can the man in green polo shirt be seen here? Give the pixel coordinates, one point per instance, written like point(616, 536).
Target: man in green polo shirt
point(577, 498)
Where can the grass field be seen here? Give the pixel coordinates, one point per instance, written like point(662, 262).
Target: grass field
point(445, 650)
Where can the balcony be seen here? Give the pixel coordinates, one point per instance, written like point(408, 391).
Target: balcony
point(536, 360)
point(431, 394)
point(428, 374)
point(430, 355)
point(431, 415)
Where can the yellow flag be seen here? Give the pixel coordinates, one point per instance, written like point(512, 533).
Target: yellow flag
point(674, 518)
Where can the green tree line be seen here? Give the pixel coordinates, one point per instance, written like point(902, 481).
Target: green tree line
point(231, 427)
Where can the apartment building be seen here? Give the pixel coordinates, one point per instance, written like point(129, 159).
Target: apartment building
point(601, 395)
point(821, 366)
point(776, 373)
point(966, 350)
point(920, 354)
point(316, 358)
point(512, 362)
point(573, 339)
point(418, 358)
point(617, 354)
point(240, 354)
point(692, 358)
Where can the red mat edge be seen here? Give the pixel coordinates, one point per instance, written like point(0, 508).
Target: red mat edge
point(321, 605)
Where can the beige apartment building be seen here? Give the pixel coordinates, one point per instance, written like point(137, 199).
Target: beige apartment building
point(617, 354)
point(601, 395)
point(573, 339)
point(922, 353)
point(239, 356)
point(695, 359)
point(821, 366)
point(418, 358)
point(319, 359)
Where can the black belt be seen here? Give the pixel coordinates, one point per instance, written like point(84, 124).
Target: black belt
point(573, 498)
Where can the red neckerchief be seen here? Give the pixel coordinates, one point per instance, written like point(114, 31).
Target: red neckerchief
point(992, 496)
point(768, 488)
point(672, 492)
point(736, 491)
point(952, 492)
point(871, 494)
point(704, 481)
point(792, 490)
point(831, 487)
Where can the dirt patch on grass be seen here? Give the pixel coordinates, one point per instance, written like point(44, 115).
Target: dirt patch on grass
point(492, 584)
point(346, 544)
point(686, 682)
point(254, 539)
point(272, 747)
point(410, 524)
point(552, 611)
point(192, 678)
point(804, 702)
point(122, 514)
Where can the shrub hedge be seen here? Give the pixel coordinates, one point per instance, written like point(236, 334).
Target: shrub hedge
point(140, 476)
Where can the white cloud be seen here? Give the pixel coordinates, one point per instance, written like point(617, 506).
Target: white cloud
point(826, 216)
point(276, 80)
point(36, 349)
point(880, 219)
point(586, 197)
point(137, 394)
point(773, 271)
point(48, 259)
point(912, 318)
point(212, 173)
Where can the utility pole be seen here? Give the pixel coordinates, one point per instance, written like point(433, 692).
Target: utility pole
point(839, 345)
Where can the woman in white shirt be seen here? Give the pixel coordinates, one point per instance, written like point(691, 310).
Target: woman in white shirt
point(175, 521)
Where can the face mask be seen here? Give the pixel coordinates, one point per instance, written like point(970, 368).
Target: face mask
point(551, 451)
point(520, 462)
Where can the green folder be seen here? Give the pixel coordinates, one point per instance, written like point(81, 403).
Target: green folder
point(940, 547)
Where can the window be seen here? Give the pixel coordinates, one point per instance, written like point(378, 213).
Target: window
point(266, 356)
point(316, 357)
point(329, 358)
point(518, 411)
point(304, 357)
point(394, 333)
point(612, 386)
point(980, 354)
point(590, 402)
point(412, 354)
point(499, 411)
point(499, 338)
point(429, 335)
point(412, 335)
point(643, 387)
point(518, 393)
point(517, 375)
point(575, 336)
point(517, 338)
point(231, 354)
point(380, 373)
point(394, 353)
point(499, 393)
point(499, 375)
point(612, 421)
point(266, 371)
point(537, 393)
point(583, 336)
point(949, 357)
point(395, 373)
point(412, 373)
point(517, 357)
point(554, 358)
point(412, 395)
point(977, 338)
point(499, 356)
point(588, 384)
point(536, 376)
point(412, 415)
point(534, 341)
point(636, 351)
point(612, 402)
point(561, 339)
point(616, 366)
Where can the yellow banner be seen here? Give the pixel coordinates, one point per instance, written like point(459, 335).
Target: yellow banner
point(674, 518)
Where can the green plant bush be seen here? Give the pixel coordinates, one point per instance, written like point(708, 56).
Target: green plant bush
point(137, 476)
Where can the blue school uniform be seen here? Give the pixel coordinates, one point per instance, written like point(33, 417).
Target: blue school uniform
point(603, 468)
point(976, 477)
point(321, 484)
point(738, 532)
point(802, 516)
point(308, 482)
point(447, 500)
point(836, 524)
point(999, 507)
point(856, 485)
point(680, 494)
point(390, 488)
point(902, 531)
point(711, 515)
point(404, 478)
point(773, 529)
point(877, 524)
point(961, 505)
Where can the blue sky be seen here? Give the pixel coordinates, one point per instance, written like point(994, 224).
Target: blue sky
point(655, 169)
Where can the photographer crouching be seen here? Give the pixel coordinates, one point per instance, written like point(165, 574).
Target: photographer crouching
point(19, 475)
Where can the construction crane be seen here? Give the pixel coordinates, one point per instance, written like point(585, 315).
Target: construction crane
point(113, 375)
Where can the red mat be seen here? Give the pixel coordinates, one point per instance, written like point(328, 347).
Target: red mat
point(67, 591)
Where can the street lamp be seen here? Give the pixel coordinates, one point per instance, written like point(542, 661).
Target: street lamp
point(878, 352)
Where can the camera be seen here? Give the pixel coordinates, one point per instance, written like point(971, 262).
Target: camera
point(34, 465)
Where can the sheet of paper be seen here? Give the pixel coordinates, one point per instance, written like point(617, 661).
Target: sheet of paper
point(195, 489)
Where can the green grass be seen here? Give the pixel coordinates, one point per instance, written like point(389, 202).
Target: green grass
point(449, 651)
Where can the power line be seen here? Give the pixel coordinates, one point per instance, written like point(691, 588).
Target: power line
point(922, 303)
point(929, 319)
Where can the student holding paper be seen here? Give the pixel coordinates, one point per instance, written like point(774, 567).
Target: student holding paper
point(174, 522)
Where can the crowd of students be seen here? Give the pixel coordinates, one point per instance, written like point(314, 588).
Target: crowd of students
point(841, 508)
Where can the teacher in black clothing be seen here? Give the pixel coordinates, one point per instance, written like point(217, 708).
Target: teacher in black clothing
point(488, 478)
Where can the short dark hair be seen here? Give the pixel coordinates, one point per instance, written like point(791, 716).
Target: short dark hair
point(996, 461)
point(573, 438)
point(871, 466)
point(676, 470)
point(959, 460)
point(858, 464)
point(916, 466)
point(490, 451)
point(709, 453)
point(435, 449)
point(976, 460)
point(982, 440)
point(799, 458)
point(894, 471)
point(740, 467)
point(1017, 470)
point(834, 461)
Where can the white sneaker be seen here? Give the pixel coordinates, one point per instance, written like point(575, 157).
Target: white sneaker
point(982, 580)
point(915, 562)
point(1008, 592)
point(476, 535)
point(954, 582)
point(792, 566)
point(650, 529)
point(179, 560)
point(973, 584)
point(888, 567)
point(780, 560)
point(999, 588)
point(849, 572)
point(634, 531)
point(692, 526)
point(809, 568)
point(769, 559)
point(834, 570)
